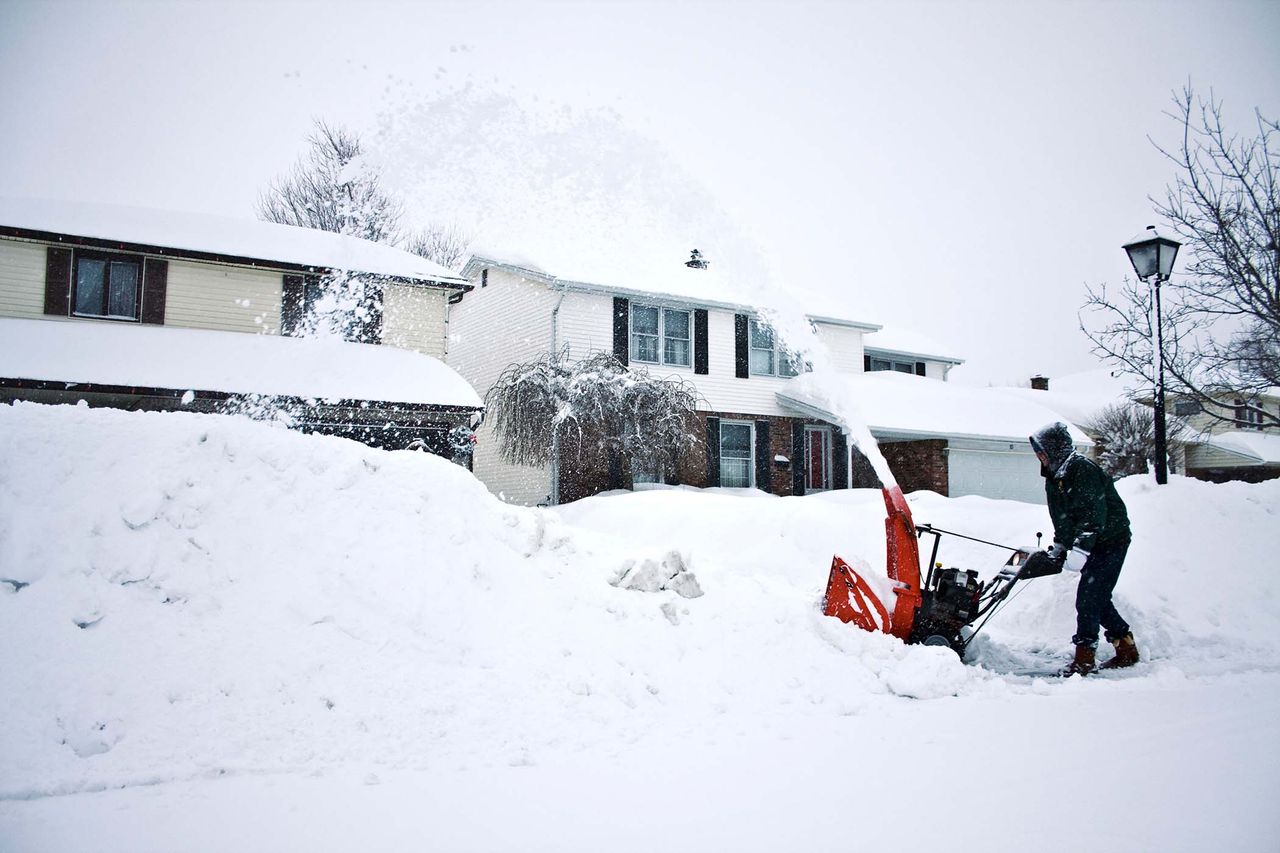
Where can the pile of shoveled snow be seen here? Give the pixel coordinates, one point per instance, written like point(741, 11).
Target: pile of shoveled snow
point(188, 596)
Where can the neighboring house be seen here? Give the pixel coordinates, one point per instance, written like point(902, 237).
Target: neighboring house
point(1241, 449)
point(690, 324)
point(1209, 448)
point(148, 309)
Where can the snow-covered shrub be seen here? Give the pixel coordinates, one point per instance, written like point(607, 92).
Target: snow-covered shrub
point(595, 407)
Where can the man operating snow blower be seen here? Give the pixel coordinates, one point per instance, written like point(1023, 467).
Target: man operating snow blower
point(1088, 516)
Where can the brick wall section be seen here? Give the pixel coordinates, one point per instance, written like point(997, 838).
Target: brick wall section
point(918, 464)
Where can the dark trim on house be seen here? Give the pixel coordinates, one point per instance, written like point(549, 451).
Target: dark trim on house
point(57, 281)
point(155, 290)
point(701, 356)
point(839, 459)
point(292, 304)
point(622, 330)
point(713, 452)
point(920, 368)
point(799, 461)
point(209, 257)
point(764, 457)
point(866, 363)
point(741, 361)
point(220, 396)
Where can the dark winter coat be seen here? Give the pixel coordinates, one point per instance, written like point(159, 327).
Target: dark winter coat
point(1083, 503)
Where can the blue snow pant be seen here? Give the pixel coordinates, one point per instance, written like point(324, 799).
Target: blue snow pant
point(1093, 596)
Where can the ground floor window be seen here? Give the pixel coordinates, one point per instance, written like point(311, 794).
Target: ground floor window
point(737, 454)
point(106, 285)
point(817, 458)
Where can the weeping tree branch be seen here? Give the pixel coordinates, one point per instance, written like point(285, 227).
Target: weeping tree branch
point(591, 407)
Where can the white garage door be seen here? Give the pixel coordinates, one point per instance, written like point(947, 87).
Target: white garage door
point(998, 472)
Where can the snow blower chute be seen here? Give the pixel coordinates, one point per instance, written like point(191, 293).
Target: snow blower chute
point(938, 611)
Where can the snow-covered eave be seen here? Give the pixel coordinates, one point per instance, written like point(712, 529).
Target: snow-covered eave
point(882, 431)
point(32, 235)
point(479, 262)
point(914, 356)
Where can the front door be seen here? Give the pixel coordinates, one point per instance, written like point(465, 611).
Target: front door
point(817, 458)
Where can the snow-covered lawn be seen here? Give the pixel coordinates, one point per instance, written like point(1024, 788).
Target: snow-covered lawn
point(225, 636)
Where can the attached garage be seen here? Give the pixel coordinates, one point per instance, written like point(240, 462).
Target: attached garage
point(993, 469)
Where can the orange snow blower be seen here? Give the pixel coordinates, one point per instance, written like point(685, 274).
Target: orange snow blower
point(937, 612)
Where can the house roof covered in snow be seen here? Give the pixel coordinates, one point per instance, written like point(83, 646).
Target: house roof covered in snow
point(902, 342)
point(142, 356)
point(209, 237)
point(913, 407)
point(710, 287)
point(1079, 397)
point(1257, 448)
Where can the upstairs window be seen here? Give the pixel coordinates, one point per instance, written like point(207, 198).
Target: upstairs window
point(106, 285)
point(661, 336)
point(1248, 414)
point(889, 364)
point(1187, 408)
point(766, 358)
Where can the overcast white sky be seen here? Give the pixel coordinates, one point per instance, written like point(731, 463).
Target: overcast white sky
point(961, 169)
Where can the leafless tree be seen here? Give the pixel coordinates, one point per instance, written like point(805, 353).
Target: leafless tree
point(1221, 316)
point(446, 245)
point(332, 188)
point(592, 407)
point(1126, 435)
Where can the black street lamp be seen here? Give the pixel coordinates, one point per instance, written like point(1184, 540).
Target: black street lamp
point(1152, 257)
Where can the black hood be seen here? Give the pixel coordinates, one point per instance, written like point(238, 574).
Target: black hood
point(1054, 441)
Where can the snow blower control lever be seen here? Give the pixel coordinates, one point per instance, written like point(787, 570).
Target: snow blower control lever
point(941, 611)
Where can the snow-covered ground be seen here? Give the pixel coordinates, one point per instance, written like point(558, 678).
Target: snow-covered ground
point(220, 635)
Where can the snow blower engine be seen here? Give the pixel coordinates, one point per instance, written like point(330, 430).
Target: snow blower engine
point(941, 611)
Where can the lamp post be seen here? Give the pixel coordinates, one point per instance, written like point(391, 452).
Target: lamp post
point(1152, 256)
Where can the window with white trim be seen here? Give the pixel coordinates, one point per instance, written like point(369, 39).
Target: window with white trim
point(766, 357)
point(106, 285)
point(737, 454)
point(661, 335)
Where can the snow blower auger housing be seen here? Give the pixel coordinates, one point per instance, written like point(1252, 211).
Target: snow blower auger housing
point(938, 612)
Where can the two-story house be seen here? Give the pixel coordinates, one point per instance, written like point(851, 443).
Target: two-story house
point(762, 427)
point(148, 309)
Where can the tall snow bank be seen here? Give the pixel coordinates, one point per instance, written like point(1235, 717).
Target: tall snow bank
point(190, 595)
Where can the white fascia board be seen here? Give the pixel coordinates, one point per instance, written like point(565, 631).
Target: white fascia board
point(477, 263)
point(848, 324)
point(914, 356)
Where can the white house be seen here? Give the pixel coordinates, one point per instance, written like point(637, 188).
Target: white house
point(158, 309)
point(763, 428)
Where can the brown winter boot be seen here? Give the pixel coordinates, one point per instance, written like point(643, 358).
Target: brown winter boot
point(1126, 653)
point(1083, 664)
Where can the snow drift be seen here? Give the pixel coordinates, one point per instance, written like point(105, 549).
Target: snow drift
point(188, 596)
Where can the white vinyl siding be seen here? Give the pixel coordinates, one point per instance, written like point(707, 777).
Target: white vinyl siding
point(230, 299)
point(22, 268)
point(413, 318)
point(843, 345)
point(507, 322)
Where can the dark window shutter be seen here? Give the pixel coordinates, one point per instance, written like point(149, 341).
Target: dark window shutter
point(919, 368)
point(57, 281)
point(371, 328)
point(291, 304)
point(701, 364)
point(622, 329)
point(155, 290)
point(713, 452)
point(740, 363)
point(764, 458)
point(866, 364)
point(799, 462)
point(839, 459)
